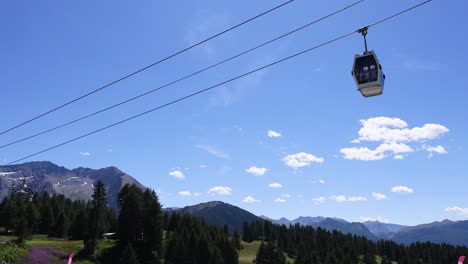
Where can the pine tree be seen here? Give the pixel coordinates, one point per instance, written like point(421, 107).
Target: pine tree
point(269, 253)
point(369, 258)
point(79, 227)
point(19, 218)
point(385, 260)
point(236, 240)
point(130, 226)
point(33, 217)
point(97, 217)
point(129, 256)
point(61, 225)
point(152, 228)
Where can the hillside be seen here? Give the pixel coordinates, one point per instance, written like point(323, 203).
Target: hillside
point(220, 213)
point(455, 233)
point(76, 184)
point(383, 229)
point(331, 223)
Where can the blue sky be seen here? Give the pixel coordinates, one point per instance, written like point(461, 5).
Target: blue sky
point(294, 140)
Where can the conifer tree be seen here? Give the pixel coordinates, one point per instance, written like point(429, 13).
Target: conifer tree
point(97, 217)
point(129, 256)
point(269, 253)
point(236, 240)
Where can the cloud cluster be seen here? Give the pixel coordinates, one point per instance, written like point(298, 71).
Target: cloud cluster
point(280, 200)
point(256, 171)
point(85, 153)
point(250, 199)
point(402, 189)
point(319, 200)
point(379, 196)
point(301, 159)
point(394, 136)
point(275, 185)
point(177, 174)
point(220, 190)
point(342, 198)
point(437, 149)
point(273, 134)
point(457, 210)
point(213, 151)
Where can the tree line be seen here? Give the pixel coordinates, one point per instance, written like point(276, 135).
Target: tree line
point(54, 215)
point(308, 245)
point(146, 234)
point(143, 233)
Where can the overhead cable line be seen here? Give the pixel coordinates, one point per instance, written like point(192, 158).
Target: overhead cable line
point(219, 84)
point(183, 78)
point(144, 68)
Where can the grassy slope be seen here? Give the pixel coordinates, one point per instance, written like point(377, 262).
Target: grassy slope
point(249, 251)
point(246, 255)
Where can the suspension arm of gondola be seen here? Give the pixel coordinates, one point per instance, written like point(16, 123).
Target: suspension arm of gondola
point(363, 32)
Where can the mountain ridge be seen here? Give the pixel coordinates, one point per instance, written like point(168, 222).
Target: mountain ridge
point(76, 184)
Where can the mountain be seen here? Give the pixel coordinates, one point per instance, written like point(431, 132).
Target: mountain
point(383, 229)
point(220, 213)
point(76, 184)
point(454, 233)
point(345, 227)
point(302, 220)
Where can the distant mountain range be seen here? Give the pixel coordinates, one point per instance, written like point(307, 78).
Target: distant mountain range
point(76, 184)
point(450, 232)
point(383, 230)
point(455, 233)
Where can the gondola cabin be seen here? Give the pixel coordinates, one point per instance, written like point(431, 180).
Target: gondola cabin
point(368, 74)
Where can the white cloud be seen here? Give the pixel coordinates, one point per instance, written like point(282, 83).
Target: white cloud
point(342, 198)
point(437, 149)
point(213, 151)
point(402, 189)
point(220, 190)
point(357, 199)
point(197, 194)
point(379, 196)
point(319, 200)
point(275, 185)
point(280, 200)
point(394, 137)
point(256, 171)
point(250, 199)
point(373, 219)
point(286, 195)
point(388, 129)
point(85, 153)
point(363, 153)
point(177, 174)
point(338, 198)
point(185, 193)
point(273, 134)
point(322, 181)
point(457, 210)
point(203, 166)
point(301, 159)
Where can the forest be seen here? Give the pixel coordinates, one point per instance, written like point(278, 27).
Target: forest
point(143, 233)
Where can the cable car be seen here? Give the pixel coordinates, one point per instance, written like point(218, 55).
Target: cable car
point(368, 74)
point(367, 71)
